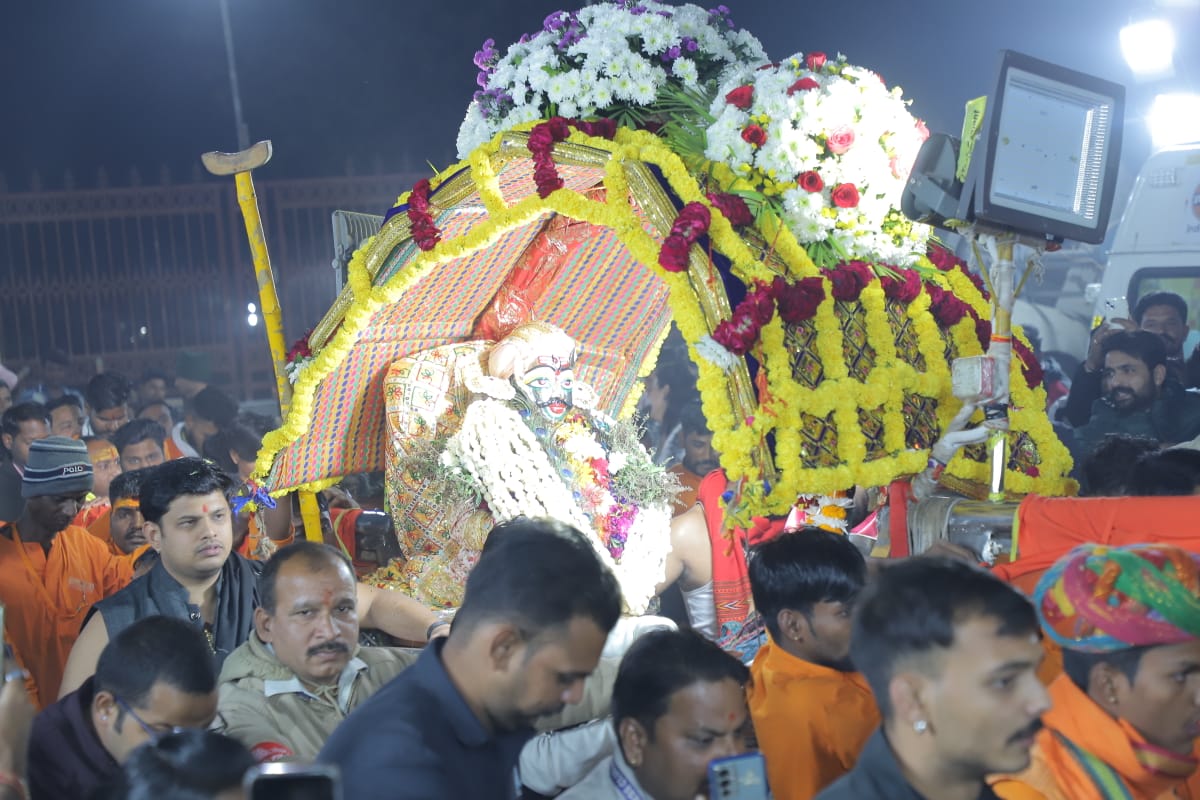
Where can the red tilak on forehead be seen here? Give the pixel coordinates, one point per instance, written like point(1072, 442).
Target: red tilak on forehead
point(204, 508)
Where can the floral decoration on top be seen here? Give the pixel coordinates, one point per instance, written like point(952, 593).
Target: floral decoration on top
point(826, 147)
point(298, 357)
point(609, 59)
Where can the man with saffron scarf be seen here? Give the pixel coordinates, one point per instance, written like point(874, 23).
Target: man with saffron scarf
point(1126, 713)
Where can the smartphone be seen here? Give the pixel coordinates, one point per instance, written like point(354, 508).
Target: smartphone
point(741, 777)
point(293, 781)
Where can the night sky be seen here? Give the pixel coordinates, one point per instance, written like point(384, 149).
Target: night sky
point(384, 83)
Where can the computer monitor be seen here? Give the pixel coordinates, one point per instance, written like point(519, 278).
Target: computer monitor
point(1047, 158)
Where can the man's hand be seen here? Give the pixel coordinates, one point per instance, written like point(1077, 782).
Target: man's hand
point(16, 719)
point(1095, 355)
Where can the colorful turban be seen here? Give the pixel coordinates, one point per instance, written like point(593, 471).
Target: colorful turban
point(1098, 599)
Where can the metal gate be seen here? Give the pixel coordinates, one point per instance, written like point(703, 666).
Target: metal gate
point(125, 278)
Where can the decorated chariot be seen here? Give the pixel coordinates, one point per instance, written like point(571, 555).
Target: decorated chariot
point(630, 165)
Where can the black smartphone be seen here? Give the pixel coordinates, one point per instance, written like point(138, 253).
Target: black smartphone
point(293, 781)
point(741, 777)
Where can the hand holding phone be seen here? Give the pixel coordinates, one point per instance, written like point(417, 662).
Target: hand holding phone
point(741, 777)
point(293, 781)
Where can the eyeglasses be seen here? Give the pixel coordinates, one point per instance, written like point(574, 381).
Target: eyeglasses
point(154, 734)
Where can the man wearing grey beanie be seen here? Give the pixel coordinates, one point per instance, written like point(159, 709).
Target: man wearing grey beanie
point(51, 572)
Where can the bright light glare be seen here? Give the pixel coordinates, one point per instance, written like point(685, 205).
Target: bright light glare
point(1174, 119)
point(1149, 47)
point(251, 308)
point(143, 330)
point(252, 320)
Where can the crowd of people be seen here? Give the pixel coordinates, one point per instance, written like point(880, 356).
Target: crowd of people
point(167, 626)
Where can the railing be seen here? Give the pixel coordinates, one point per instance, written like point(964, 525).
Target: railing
point(125, 278)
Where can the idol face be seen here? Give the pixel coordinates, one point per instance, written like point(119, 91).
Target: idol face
point(550, 383)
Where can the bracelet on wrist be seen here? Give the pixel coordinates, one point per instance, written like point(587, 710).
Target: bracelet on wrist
point(433, 627)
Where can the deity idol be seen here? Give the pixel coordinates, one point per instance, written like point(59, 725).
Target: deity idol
point(482, 433)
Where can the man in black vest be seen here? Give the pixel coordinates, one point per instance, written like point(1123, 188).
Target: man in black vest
point(199, 578)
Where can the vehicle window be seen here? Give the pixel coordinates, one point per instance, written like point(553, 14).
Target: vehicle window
point(1183, 281)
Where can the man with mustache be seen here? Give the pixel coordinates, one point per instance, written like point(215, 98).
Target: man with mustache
point(535, 615)
point(812, 711)
point(951, 654)
point(1140, 399)
point(1126, 715)
point(121, 527)
point(188, 520)
point(699, 457)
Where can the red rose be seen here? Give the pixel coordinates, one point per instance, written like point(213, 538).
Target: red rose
point(983, 332)
point(798, 301)
point(692, 222)
point(802, 85)
point(947, 309)
point(840, 140)
point(845, 195)
point(733, 207)
point(604, 128)
point(739, 333)
point(810, 181)
point(546, 176)
point(301, 348)
point(903, 289)
point(755, 135)
point(741, 97)
point(673, 257)
point(848, 280)
point(559, 128)
point(814, 61)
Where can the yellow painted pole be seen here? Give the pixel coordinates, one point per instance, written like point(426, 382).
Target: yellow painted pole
point(240, 165)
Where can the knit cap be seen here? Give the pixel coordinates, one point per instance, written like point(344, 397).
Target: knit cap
point(57, 466)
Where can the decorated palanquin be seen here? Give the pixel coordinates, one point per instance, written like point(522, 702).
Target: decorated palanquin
point(633, 164)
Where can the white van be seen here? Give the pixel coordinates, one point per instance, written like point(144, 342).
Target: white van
point(1157, 243)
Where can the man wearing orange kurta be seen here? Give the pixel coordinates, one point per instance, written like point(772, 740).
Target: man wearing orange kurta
point(51, 572)
point(812, 712)
point(1125, 721)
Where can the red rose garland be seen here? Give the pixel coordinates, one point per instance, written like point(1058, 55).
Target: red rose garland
point(690, 225)
point(424, 231)
point(739, 333)
point(733, 207)
point(543, 137)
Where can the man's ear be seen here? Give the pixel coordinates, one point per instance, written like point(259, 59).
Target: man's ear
point(1108, 686)
point(7, 439)
point(906, 693)
point(105, 709)
point(1160, 374)
point(153, 534)
point(262, 624)
point(233, 456)
point(505, 644)
point(632, 737)
point(792, 624)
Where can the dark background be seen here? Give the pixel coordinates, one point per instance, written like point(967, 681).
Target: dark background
point(381, 85)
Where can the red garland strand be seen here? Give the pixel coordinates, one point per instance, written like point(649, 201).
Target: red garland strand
point(543, 137)
point(424, 231)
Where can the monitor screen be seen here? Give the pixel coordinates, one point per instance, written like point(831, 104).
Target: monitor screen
point(1053, 141)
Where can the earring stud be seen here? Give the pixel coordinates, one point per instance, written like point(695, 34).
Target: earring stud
point(920, 726)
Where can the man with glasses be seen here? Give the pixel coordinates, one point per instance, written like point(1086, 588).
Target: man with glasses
point(51, 572)
point(153, 679)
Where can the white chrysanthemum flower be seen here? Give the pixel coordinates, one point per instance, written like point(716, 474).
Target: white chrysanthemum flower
point(685, 70)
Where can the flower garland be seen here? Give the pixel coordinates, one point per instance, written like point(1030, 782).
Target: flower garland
point(542, 138)
point(424, 231)
point(824, 146)
point(516, 473)
point(735, 435)
point(298, 357)
point(608, 59)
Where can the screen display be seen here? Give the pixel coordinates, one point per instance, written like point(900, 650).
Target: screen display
point(1052, 148)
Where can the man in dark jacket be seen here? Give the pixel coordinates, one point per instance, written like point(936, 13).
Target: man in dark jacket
point(1140, 397)
point(1161, 313)
point(153, 678)
point(951, 654)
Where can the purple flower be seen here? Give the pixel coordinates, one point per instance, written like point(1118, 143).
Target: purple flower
point(555, 21)
point(671, 54)
point(485, 57)
point(482, 80)
point(690, 44)
point(525, 39)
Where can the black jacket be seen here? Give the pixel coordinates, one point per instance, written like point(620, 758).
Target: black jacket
point(877, 776)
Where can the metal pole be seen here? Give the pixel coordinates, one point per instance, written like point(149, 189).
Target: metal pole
point(243, 132)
